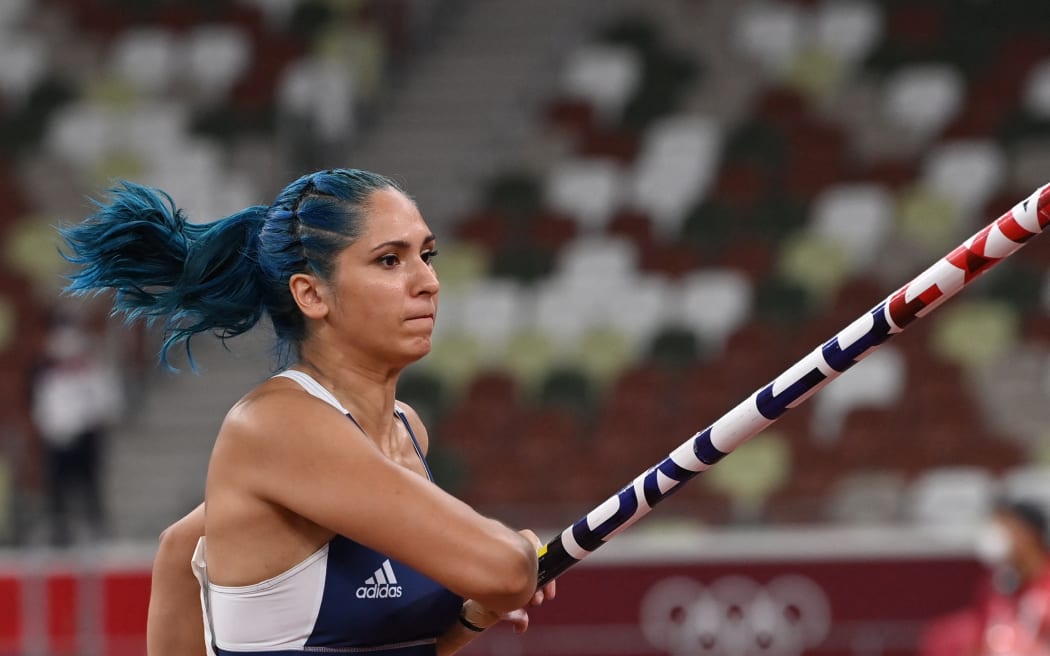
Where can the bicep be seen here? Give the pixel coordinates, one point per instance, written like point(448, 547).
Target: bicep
point(335, 477)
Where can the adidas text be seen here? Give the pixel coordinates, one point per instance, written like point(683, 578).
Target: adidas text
point(379, 592)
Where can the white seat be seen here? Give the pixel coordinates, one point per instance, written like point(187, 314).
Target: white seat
point(713, 303)
point(848, 28)
point(968, 172)
point(589, 258)
point(146, 58)
point(603, 75)
point(194, 176)
point(952, 497)
point(677, 164)
point(82, 133)
point(322, 91)
point(875, 382)
point(491, 311)
point(1029, 483)
point(642, 306)
point(23, 61)
point(215, 56)
point(770, 33)
point(589, 190)
point(859, 218)
point(1037, 90)
point(563, 312)
point(865, 497)
point(922, 98)
point(154, 130)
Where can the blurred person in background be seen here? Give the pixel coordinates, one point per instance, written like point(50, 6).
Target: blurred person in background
point(322, 528)
point(75, 398)
point(1011, 615)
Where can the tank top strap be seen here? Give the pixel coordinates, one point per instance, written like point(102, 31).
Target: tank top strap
point(314, 388)
point(415, 443)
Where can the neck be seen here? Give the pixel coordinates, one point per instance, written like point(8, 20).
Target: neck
point(368, 392)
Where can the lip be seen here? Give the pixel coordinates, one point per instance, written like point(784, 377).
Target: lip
point(421, 316)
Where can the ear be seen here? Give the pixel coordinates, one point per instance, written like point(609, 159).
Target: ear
point(310, 295)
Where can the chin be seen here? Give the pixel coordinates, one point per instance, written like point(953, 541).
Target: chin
point(418, 350)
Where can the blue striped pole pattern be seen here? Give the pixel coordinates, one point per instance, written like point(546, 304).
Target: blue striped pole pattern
point(935, 285)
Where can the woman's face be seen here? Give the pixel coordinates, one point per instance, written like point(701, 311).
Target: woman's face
point(384, 292)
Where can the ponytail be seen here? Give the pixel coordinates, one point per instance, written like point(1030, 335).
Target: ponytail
point(221, 276)
point(195, 278)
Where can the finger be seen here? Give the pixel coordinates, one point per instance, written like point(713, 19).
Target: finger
point(537, 598)
point(550, 590)
point(519, 619)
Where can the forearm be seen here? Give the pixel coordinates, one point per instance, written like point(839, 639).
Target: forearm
point(459, 635)
point(455, 638)
point(175, 623)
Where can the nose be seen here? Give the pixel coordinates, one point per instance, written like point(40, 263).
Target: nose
point(426, 279)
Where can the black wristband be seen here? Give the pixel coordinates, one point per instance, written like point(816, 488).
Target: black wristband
point(470, 625)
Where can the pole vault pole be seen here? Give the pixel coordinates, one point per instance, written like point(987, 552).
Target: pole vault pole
point(997, 241)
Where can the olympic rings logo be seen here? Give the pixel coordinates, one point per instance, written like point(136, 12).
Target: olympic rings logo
point(736, 616)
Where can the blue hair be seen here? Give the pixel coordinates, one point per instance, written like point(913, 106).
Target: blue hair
point(221, 276)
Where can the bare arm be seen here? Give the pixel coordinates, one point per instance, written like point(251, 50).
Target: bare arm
point(459, 635)
point(326, 471)
point(175, 625)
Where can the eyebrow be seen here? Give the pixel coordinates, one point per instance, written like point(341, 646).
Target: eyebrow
point(401, 243)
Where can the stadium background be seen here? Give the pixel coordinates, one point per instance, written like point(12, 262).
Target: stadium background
point(646, 210)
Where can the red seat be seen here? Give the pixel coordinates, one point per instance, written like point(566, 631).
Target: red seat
point(551, 230)
point(611, 143)
point(570, 115)
point(633, 225)
point(487, 229)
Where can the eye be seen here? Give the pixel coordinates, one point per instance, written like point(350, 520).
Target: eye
point(428, 256)
point(389, 260)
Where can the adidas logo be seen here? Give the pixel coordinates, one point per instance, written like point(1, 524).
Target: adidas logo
point(381, 585)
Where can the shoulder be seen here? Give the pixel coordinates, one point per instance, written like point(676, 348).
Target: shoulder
point(278, 414)
point(417, 426)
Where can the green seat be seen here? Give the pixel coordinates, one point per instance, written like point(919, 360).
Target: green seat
point(815, 73)
point(525, 263)
point(675, 347)
point(927, 219)
point(31, 249)
point(816, 264)
point(710, 226)
point(567, 387)
point(528, 357)
point(454, 359)
point(1019, 284)
point(424, 391)
point(603, 354)
point(973, 333)
point(460, 263)
point(757, 142)
point(516, 194)
point(782, 302)
point(752, 473)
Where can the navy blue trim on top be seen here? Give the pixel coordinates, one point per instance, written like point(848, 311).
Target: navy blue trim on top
point(411, 433)
point(415, 443)
point(424, 647)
